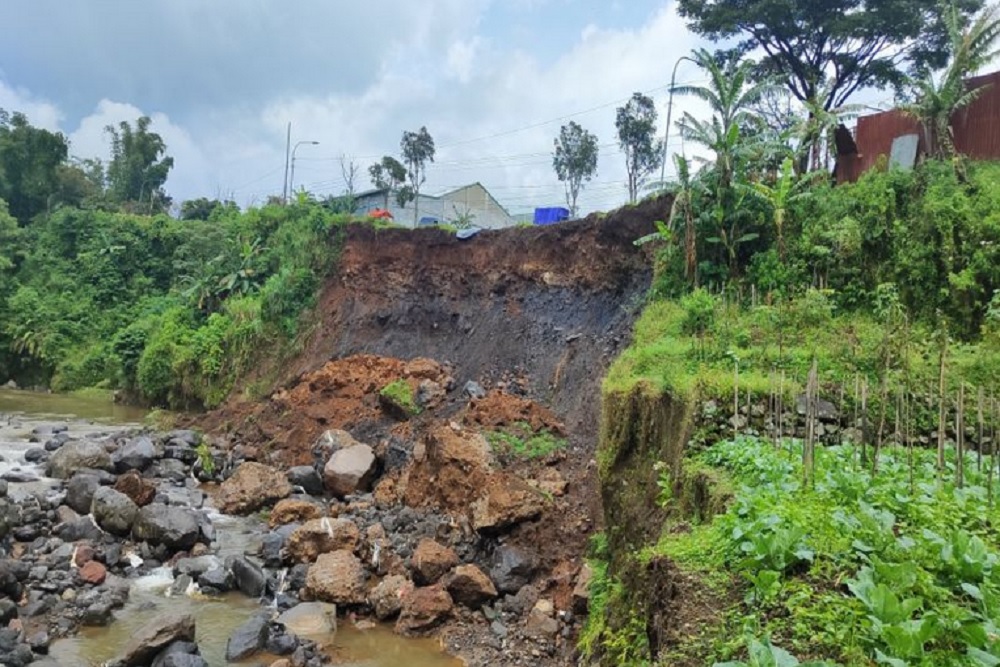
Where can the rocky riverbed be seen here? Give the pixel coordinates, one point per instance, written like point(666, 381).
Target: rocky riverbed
point(134, 547)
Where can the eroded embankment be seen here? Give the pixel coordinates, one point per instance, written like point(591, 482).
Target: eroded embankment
point(540, 311)
point(532, 317)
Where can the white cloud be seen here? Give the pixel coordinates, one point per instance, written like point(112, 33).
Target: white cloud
point(40, 113)
point(483, 101)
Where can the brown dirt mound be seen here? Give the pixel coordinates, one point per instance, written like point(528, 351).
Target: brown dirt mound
point(498, 409)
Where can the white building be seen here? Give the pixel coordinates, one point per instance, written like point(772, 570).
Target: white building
point(471, 204)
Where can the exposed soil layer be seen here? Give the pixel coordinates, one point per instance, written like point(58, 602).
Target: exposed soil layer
point(533, 315)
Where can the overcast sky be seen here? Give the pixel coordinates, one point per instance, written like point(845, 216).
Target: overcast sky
point(491, 79)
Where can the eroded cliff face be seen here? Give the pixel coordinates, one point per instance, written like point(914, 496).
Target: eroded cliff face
point(533, 316)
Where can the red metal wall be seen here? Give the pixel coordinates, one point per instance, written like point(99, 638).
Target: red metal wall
point(977, 131)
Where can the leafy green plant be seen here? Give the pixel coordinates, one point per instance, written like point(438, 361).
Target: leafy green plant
point(762, 653)
point(205, 458)
point(520, 441)
point(400, 394)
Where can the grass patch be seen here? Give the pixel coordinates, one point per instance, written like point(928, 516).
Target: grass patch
point(401, 394)
point(520, 442)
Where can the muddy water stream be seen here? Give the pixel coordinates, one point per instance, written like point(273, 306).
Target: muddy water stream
point(216, 618)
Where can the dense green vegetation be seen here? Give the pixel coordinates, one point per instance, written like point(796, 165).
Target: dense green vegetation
point(520, 441)
point(170, 311)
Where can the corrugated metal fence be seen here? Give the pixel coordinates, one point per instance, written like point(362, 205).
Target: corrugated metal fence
point(977, 132)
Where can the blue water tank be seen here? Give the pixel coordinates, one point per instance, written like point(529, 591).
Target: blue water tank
point(547, 216)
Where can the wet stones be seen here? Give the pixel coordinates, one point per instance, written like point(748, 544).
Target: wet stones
point(80, 492)
point(113, 511)
point(151, 639)
point(307, 479)
point(75, 455)
point(248, 639)
point(310, 619)
point(251, 487)
point(175, 528)
point(136, 454)
point(248, 576)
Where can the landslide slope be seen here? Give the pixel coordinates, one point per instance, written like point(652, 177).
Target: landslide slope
point(539, 310)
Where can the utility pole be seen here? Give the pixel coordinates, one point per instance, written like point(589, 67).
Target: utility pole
point(670, 109)
point(291, 180)
point(288, 142)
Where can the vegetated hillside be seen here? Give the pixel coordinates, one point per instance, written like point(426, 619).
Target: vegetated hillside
point(792, 470)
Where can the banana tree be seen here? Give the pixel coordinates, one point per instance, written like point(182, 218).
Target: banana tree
point(939, 99)
point(779, 197)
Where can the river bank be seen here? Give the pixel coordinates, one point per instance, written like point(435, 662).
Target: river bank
point(110, 531)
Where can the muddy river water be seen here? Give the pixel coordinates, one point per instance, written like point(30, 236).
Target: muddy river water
point(216, 618)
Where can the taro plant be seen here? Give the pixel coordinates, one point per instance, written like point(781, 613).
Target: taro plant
point(762, 653)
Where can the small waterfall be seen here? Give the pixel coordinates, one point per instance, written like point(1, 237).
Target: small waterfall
point(280, 588)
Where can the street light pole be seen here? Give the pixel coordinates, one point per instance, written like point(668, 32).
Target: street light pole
point(291, 179)
point(670, 109)
point(288, 146)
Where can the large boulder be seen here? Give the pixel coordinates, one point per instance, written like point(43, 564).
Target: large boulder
point(321, 536)
point(469, 586)
point(141, 491)
point(423, 610)
point(505, 502)
point(153, 637)
point(136, 454)
point(350, 470)
point(174, 527)
point(431, 561)
point(113, 511)
point(249, 577)
point(337, 577)
point(387, 598)
point(76, 455)
point(248, 639)
point(311, 619)
point(252, 486)
point(512, 568)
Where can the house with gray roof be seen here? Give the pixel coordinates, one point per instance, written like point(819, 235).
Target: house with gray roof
point(472, 204)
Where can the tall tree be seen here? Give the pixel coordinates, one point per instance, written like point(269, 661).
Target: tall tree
point(418, 150)
point(839, 45)
point(29, 164)
point(388, 176)
point(575, 160)
point(731, 96)
point(636, 125)
point(938, 98)
point(139, 166)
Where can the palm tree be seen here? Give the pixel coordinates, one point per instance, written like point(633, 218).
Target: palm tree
point(731, 95)
point(939, 99)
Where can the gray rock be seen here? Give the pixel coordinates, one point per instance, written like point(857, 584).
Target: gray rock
point(3, 488)
point(219, 579)
point(8, 516)
point(19, 476)
point(473, 389)
point(83, 528)
point(35, 455)
point(248, 576)
point(310, 619)
point(186, 436)
point(174, 527)
point(307, 478)
point(512, 568)
point(151, 639)
point(350, 470)
point(248, 639)
point(136, 454)
point(179, 660)
point(72, 456)
point(113, 511)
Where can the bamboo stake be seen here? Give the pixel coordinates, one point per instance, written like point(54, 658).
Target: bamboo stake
point(864, 421)
point(941, 406)
point(980, 431)
point(808, 458)
point(960, 438)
